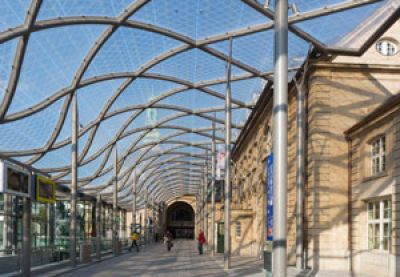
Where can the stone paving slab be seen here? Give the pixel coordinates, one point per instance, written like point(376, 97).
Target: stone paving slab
point(182, 261)
point(155, 260)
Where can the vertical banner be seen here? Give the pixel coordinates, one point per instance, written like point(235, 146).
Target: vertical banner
point(220, 163)
point(270, 197)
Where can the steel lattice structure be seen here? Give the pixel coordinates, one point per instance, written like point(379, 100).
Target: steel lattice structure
point(174, 157)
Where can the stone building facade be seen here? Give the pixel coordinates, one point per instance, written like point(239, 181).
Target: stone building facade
point(374, 155)
point(340, 92)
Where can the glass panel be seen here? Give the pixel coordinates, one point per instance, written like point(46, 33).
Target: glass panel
point(128, 49)
point(199, 19)
point(377, 236)
point(386, 242)
point(12, 13)
point(370, 211)
point(370, 236)
point(40, 224)
point(62, 215)
point(51, 61)
point(386, 209)
point(386, 236)
point(386, 229)
point(334, 29)
point(7, 51)
point(383, 163)
point(56, 8)
point(376, 210)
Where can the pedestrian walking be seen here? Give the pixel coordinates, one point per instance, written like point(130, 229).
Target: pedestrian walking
point(168, 240)
point(134, 238)
point(201, 239)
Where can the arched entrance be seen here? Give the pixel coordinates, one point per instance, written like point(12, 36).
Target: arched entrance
point(180, 220)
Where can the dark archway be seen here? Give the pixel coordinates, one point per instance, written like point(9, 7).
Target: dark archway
point(180, 220)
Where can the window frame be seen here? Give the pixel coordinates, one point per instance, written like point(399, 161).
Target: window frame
point(379, 156)
point(238, 229)
point(383, 46)
point(381, 221)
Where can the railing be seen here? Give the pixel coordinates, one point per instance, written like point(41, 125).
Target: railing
point(9, 260)
point(42, 255)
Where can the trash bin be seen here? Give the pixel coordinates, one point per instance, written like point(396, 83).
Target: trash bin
point(85, 253)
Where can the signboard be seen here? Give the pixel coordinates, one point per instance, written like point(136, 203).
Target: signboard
point(270, 196)
point(45, 190)
point(14, 180)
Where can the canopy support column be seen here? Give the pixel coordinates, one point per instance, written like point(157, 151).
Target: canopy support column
point(7, 228)
point(206, 198)
point(300, 175)
point(146, 199)
point(123, 227)
point(153, 216)
point(201, 208)
point(197, 217)
point(135, 180)
point(74, 178)
point(115, 204)
point(26, 239)
point(280, 138)
point(227, 191)
point(213, 167)
point(98, 227)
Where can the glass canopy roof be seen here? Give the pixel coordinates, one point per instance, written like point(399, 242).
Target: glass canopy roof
point(150, 79)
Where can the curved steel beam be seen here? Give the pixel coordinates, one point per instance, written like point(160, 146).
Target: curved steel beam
point(104, 20)
point(128, 75)
point(171, 160)
point(84, 65)
point(175, 176)
point(133, 149)
point(55, 134)
point(200, 145)
point(187, 130)
point(90, 178)
point(19, 57)
point(98, 173)
point(84, 130)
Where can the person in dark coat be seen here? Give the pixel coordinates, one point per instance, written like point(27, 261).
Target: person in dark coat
point(168, 240)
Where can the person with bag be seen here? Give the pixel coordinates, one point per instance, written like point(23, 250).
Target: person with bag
point(201, 241)
point(168, 240)
point(134, 238)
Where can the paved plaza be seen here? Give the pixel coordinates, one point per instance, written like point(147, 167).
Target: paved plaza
point(182, 261)
point(155, 260)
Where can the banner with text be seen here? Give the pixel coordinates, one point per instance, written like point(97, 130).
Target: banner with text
point(270, 196)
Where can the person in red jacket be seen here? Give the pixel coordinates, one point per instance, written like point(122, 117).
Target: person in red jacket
point(201, 240)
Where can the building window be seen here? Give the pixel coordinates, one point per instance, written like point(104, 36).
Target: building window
point(378, 155)
point(238, 229)
point(386, 48)
point(379, 224)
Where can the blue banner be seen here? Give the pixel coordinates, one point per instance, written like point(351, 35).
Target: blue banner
point(270, 196)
